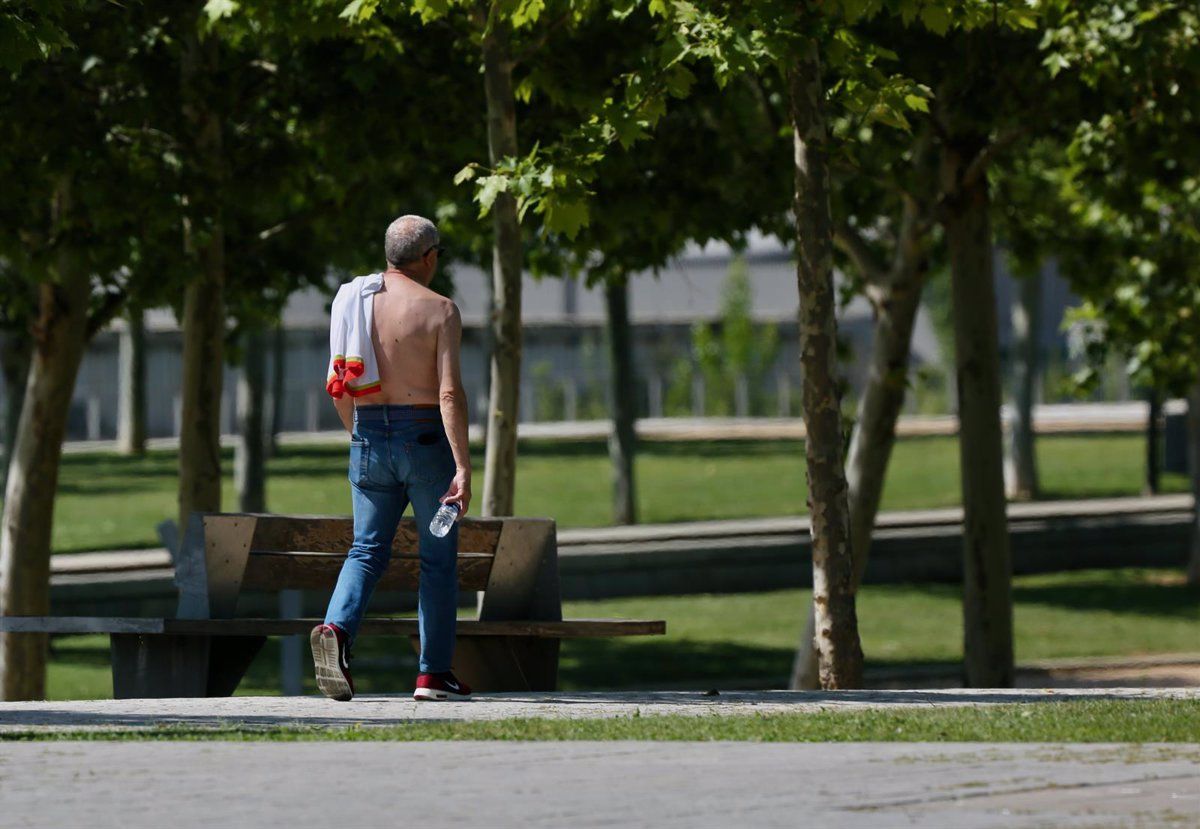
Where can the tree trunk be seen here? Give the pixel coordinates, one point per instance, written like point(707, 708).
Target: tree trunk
point(249, 468)
point(200, 426)
point(622, 441)
point(1153, 442)
point(839, 652)
point(131, 386)
point(278, 372)
point(15, 354)
point(500, 464)
point(1193, 428)
point(486, 350)
point(874, 433)
point(1022, 482)
point(59, 340)
point(987, 565)
point(204, 296)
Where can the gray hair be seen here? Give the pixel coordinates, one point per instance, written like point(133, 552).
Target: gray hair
point(408, 239)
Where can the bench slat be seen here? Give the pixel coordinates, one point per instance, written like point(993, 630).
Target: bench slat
point(80, 624)
point(334, 534)
point(566, 629)
point(319, 571)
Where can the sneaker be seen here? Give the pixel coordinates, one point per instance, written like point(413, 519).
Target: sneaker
point(443, 686)
point(332, 662)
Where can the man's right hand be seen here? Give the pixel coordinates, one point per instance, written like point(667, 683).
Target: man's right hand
point(459, 491)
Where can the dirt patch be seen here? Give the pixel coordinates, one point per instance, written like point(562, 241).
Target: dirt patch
point(1146, 676)
point(1165, 671)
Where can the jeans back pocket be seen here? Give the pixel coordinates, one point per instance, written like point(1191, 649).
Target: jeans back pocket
point(431, 458)
point(360, 459)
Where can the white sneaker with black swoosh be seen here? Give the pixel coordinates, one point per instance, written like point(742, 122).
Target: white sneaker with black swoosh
point(331, 660)
point(440, 688)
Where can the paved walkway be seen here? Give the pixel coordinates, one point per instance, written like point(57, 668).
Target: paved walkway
point(579, 785)
point(379, 709)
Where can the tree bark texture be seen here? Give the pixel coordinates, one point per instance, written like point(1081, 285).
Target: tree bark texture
point(839, 651)
point(278, 373)
point(15, 353)
point(622, 440)
point(1153, 442)
point(874, 433)
point(131, 386)
point(200, 426)
point(60, 335)
point(249, 457)
point(204, 296)
point(1193, 430)
point(987, 571)
point(500, 457)
point(487, 347)
point(1022, 482)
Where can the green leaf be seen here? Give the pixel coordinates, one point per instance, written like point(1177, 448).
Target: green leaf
point(566, 216)
point(936, 19)
point(523, 91)
point(487, 189)
point(1056, 62)
point(527, 13)
point(429, 10)
point(359, 11)
point(465, 174)
point(853, 10)
point(214, 10)
point(1025, 18)
point(916, 102)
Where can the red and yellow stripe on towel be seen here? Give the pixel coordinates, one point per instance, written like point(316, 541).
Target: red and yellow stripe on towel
point(344, 370)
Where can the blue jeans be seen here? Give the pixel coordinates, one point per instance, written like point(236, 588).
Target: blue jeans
point(399, 454)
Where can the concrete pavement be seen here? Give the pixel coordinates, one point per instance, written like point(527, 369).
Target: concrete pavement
point(577, 785)
point(383, 710)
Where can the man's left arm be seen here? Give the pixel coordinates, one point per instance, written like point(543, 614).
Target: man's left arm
point(345, 410)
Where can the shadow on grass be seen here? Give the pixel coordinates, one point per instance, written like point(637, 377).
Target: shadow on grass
point(75, 654)
point(114, 486)
point(733, 448)
point(1090, 490)
point(1161, 600)
point(608, 664)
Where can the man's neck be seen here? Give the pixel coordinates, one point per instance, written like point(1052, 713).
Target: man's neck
point(398, 272)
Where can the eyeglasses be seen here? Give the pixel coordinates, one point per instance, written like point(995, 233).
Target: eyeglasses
point(439, 248)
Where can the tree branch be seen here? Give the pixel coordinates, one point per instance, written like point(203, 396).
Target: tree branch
point(541, 41)
point(108, 308)
point(852, 243)
point(980, 163)
point(295, 220)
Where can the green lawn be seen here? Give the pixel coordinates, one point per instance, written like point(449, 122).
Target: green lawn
point(1074, 721)
point(747, 640)
point(106, 501)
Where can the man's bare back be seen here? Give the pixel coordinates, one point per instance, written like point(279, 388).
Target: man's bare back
point(408, 318)
point(417, 339)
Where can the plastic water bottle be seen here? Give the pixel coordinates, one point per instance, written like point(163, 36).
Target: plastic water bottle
point(443, 520)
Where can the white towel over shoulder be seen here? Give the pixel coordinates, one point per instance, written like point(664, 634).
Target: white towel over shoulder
point(353, 368)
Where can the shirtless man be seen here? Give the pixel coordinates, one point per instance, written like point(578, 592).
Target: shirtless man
point(408, 444)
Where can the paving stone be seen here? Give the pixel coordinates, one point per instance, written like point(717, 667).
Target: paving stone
point(579, 785)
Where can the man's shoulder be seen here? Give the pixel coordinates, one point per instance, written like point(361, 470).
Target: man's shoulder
point(438, 304)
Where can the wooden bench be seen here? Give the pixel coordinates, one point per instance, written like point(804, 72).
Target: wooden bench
point(512, 644)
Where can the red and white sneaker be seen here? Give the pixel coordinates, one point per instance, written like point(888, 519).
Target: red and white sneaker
point(439, 687)
point(332, 662)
